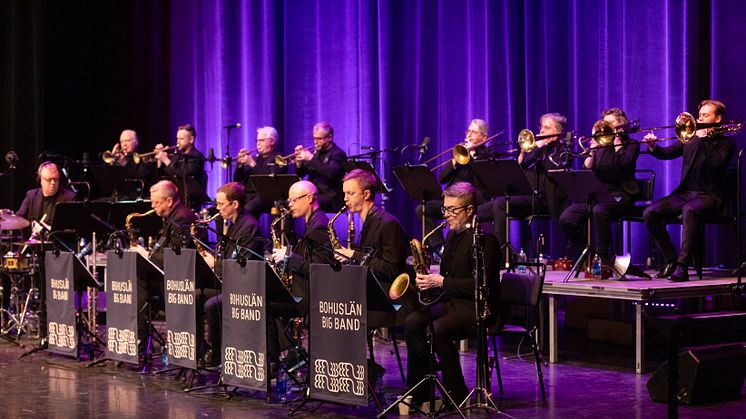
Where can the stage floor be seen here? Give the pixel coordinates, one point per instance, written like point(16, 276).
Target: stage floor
point(52, 386)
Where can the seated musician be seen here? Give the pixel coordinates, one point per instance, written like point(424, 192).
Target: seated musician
point(615, 168)
point(242, 231)
point(700, 193)
point(475, 142)
point(303, 203)
point(324, 167)
point(262, 164)
point(39, 203)
point(548, 198)
point(144, 171)
point(454, 314)
point(184, 164)
point(177, 217)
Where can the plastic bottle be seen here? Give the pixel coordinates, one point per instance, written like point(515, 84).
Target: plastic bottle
point(164, 357)
point(596, 267)
point(521, 269)
point(281, 386)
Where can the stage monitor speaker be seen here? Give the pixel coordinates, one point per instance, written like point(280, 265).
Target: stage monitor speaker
point(706, 374)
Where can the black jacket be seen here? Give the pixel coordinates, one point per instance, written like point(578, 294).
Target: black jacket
point(383, 232)
point(464, 173)
point(245, 233)
point(306, 252)
point(709, 156)
point(189, 165)
point(147, 172)
point(616, 169)
point(536, 165)
point(325, 170)
point(32, 207)
point(175, 228)
point(264, 166)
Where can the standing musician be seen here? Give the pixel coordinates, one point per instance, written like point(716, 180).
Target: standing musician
point(187, 162)
point(262, 164)
point(454, 314)
point(303, 203)
point(243, 231)
point(177, 217)
point(475, 142)
point(699, 194)
point(123, 153)
point(615, 168)
point(41, 201)
point(548, 198)
point(324, 168)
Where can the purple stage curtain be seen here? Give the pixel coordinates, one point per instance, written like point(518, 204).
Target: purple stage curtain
point(388, 73)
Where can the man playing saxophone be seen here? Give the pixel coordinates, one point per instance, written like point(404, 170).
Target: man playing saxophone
point(453, 315)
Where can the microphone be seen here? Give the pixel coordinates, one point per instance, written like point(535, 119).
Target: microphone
point(12, 158)
point(423, 147)
point(231, 126)
point(211, 157)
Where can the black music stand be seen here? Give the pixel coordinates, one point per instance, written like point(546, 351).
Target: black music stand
point(107, 178)
point(582, 186)
point(351, 165)
point(191, 189)
point(506, 178)
point(84, 218)
point(271, 188)
point(420, 184)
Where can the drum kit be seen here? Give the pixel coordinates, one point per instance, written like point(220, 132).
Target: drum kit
point(19, 260)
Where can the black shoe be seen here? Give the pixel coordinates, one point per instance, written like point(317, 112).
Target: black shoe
point(680, 274)
point(211, 359)
point(667, 270)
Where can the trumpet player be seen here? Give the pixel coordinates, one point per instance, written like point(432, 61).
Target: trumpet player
point(303, 203)
point(124, 155)
point(549, 197)
point(324, 168)
point(453, 315)
point(262, 164)
point(243, 231)
point(699, 194)
point(187, 163)
point(615, 168)
point(453, 172)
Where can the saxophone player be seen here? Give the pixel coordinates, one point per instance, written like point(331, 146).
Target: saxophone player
point(177, 217)
point(303, 203)
point(242, 231)
point(453, 315)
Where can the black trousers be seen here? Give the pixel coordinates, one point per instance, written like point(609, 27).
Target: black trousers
point(573, 223)
point(433, 217)
point(521, 206)
point(693, 207)
point(451, 322)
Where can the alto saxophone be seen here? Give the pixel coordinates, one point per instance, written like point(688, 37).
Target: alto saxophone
point(350, 230)
point(332, 233)
point(285, 275)
point(421, 264)
point(128, 225)
point(193, 232)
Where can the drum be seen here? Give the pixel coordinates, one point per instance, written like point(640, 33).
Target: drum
point(15, 262)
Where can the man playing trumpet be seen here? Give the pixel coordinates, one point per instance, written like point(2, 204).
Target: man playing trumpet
point(324, 168)
point(123, 154)
point(262, 164)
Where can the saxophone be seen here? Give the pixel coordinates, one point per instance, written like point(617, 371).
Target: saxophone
point(198, 243)
point(350, 230)
point(285, 275)
point(421, 264)
point(128, 225)
point(332, 233)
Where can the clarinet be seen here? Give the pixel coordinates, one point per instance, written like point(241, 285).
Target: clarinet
point(479, 273)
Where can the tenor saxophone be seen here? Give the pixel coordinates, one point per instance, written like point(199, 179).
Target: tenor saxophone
point(332, 233)
point(193, 232)
point(421, 264)
point(128, 225)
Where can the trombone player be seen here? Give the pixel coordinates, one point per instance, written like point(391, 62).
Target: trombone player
point(262, 164)
point(615, 167)
point(324, 167)
point(453, 315)
point(699, 194)
point(453, 172)
point(536, 160)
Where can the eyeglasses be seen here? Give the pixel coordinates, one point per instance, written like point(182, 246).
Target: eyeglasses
point(320, 138)
point(452, 210)
point(292, 201)
point(222, 204)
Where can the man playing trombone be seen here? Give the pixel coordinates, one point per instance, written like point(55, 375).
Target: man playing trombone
point(614, 165)
point(699, 194)
point(536, 159)
point(262, 164)
point(324, 167)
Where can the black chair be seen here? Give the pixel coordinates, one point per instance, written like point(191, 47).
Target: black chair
point(646, 184)
point(521, 290)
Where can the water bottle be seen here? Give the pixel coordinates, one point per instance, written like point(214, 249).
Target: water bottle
point(521, 269)
point(164, 356)
point(596, 267)
point(33, 325)
point(281, 387)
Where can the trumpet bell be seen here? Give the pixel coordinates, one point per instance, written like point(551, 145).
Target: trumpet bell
point(686, 127)
point(399, 286)
point(461, 154)
point(526, 140)
point(108, 157)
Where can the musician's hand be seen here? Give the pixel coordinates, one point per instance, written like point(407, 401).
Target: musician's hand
point(427, 281)
point(343, 254)
point(116, 148)
point(303, 155)
point(278, 254)
point(161, 156)
point(650, 139)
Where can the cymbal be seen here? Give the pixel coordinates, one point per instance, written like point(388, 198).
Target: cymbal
point(12, 222)
point(31, 242)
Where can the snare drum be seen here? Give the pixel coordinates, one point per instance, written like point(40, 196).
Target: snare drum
point(16, 262)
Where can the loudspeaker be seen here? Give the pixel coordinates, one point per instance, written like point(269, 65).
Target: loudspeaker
point(706, 374)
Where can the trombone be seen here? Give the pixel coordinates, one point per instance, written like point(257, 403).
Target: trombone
point(285, 160)
point(459, 152)
point(527, 140)
point(686, 127)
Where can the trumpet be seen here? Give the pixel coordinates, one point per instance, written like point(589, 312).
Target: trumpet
point(147, 156)
point(225, 160)
point(290, 158)
point(459, 152)
point(421, 263)
point(111, 157)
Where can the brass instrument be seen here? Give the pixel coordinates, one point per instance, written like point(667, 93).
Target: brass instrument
point(686, 127)
point(421, 264)
point(350, 230)
point(290, 158)
point(110, 157)
point(204, 251)
point(128, 225)
point(285, 275)
point(527, 140)
point(225, 160)
point(148, 156)
point(603, 133)
point(459, 152)
point(92, 295)
point(330, 229)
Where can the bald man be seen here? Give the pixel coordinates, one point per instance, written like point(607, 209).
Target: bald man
point(140, 177)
